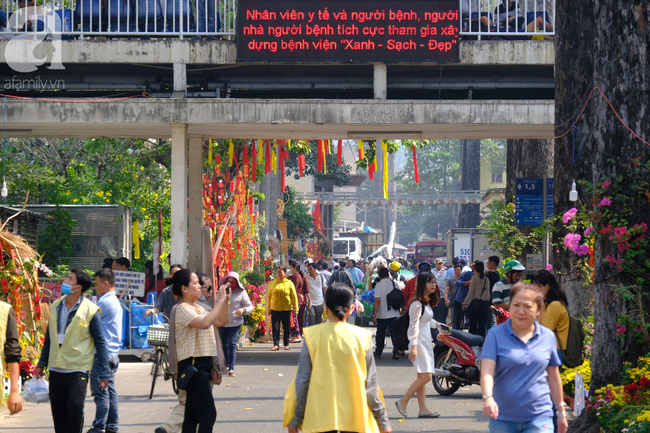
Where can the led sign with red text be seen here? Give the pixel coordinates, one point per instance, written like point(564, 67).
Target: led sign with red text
point(357, 30)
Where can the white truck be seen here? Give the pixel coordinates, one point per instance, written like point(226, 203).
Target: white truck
point(469, 244)
point(346, 247)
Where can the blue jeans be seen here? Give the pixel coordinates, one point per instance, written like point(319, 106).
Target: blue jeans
point(540, 425)
point(106, 417)
point(212, 17)
point(229, 337)
point(382, 324)
point(443, 312)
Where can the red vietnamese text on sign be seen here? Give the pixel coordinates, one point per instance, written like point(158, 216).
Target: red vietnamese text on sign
point(337, 30)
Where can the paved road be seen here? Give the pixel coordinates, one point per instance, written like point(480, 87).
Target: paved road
point(253, 401)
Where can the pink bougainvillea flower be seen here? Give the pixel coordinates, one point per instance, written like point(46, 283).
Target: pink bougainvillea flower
point(569, 215)
point(605, 202)
point(549, 267)
point(588, 230)
point(606, 184)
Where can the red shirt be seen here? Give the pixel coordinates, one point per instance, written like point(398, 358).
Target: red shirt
point(409, 290)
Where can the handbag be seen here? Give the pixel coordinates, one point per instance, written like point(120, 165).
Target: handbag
point(475, 306)
point(186, 376)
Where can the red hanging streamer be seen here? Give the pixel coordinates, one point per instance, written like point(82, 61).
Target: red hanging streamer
point(319, 157)
point(415, 164)
point(339, 151)
point(371, 171)
point(282, 184)
point(254, 161)
point(301, 164)
point(245, 159)
point(267, 168)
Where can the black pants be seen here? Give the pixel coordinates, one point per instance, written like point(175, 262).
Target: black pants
point(199, 406)
point(283, 317)
point(478, 318)
point(67, 395)
point(459, 315)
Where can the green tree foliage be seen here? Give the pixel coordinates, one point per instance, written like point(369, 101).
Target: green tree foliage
point(299, 220)
point(495, 152)
point(56, 245)
point(439, 170)
point(339, 176)
point(135, 173)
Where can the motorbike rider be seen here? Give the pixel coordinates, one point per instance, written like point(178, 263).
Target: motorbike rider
point(501, 290)
point(399, 279)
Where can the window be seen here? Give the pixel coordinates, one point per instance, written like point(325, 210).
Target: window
point(353, 246)
point(340, 247)
point(497, 177)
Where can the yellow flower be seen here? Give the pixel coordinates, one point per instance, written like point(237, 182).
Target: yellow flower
point(75, 200)
point(144, 209)
point(141, 168)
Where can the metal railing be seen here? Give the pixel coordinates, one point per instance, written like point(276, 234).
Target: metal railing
point(516, 19)
point(358, 198)
point(207, 19)
point(503, 19)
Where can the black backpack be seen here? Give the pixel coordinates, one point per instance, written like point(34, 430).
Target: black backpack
point(401, 330)
point(395, 298)
point(574, 353)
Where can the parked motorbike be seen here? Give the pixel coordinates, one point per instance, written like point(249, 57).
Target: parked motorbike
point(457, 356)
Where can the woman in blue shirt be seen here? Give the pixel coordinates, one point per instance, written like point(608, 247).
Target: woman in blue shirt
point(520, 378)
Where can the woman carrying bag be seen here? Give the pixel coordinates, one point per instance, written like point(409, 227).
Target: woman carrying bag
point(555, 315)
point(477, 301)
point(195, 348)
point(342, 394)
point(420, 342)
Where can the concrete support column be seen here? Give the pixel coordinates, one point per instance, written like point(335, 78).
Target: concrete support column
point(380, 79)
point(195, 221)
point(180, 80)
point(179, 194)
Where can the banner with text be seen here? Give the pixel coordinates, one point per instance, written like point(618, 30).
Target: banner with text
point(336, 30)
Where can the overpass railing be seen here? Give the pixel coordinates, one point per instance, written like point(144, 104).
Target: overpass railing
point(478, 19)
point(118, 18)
point(507, 19)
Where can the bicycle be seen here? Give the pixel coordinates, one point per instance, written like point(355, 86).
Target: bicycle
point(158, 337)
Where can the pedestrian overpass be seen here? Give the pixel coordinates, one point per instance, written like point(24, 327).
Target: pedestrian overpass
point(191, 90)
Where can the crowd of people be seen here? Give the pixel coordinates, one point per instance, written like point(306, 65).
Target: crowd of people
point(309, 302)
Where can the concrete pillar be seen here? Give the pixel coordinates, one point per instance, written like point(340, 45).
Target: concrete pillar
point(195, 221)
point(180, 80)
point(380, 80)
point(179, 194)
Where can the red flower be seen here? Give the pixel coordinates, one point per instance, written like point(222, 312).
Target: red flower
point(644, 382)
point(632, 388)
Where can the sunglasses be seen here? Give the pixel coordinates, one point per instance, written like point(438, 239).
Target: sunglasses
point(209, 288)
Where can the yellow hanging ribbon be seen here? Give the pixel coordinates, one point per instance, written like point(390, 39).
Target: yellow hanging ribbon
point(361, 154)
point(324, 157)
point(274, 161)
point(260, 152)
point(231, 153)
point(210, 162)
point(329, 146)
point(384, 146)
point(136, 240)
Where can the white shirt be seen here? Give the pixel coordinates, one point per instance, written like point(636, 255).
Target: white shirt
point(316, 286)
point(382, 289)
point(327, 274)
point(441, 279)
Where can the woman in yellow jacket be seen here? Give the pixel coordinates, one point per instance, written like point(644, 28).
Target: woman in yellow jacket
point(343, 395)
point(555, 315)
point(281, 298)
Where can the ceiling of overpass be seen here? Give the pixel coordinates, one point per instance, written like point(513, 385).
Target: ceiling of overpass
point(443, 81)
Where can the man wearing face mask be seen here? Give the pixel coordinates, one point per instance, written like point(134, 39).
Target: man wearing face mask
point(73, 335)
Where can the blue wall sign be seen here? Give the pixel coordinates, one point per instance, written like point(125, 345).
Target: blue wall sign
point(529, 202)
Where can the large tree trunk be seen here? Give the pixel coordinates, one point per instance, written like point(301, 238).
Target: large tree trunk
point(470, 179)
point(600, 43)
point(527, 158)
